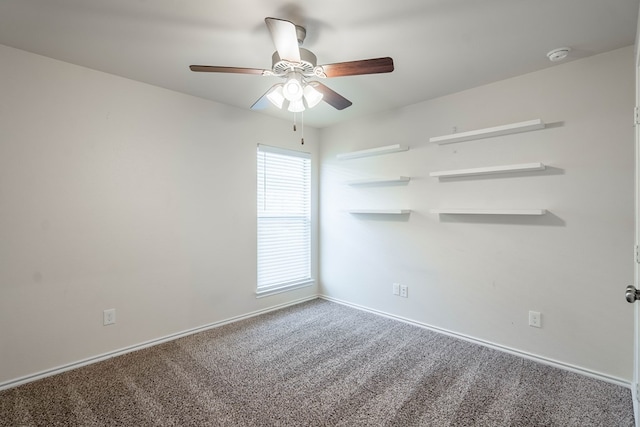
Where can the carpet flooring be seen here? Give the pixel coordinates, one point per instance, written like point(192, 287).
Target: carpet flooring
point(317, 364)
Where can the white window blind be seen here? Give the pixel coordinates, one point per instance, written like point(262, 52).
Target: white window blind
point(284, 218)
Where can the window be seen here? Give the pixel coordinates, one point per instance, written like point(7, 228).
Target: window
point(284, 219)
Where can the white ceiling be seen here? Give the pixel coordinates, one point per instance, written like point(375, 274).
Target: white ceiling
point(438, 46)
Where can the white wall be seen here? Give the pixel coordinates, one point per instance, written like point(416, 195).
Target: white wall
point(117, 194)
point(479, 276)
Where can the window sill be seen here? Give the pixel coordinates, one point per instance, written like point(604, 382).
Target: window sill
point(260, 293)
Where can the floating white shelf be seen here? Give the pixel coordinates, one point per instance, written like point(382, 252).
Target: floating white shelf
point(489, 132)
point(379, 181)
point(380, 211)
point(524, 167)
point(373, 151)
point(489, 211)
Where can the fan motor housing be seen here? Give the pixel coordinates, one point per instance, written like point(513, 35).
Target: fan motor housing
point(308, 62)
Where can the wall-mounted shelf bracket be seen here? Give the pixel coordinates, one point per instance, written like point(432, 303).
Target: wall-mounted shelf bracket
point(524, 167)
point(380, 211)
point(379, 181)
point(489, 211)
point(373, 151)
point(489, 132)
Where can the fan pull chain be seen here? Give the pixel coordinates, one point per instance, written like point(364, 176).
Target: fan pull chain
point(295, 129)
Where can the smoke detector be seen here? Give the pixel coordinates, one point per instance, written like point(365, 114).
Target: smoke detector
point(558, 54)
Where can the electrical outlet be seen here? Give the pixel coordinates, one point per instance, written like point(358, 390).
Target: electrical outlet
point(109, 316)
point(396, 288)
point(535, 319)
point(404, 291)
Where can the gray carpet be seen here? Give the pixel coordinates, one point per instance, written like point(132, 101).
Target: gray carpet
point(317, 364)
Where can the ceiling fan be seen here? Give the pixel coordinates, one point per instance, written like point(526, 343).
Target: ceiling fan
point(296, 66)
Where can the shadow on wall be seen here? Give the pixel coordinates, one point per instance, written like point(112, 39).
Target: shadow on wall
point(549, 170)
point(549, 219)
point(391, 217)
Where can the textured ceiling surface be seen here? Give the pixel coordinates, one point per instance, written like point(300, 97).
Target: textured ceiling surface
point(438, 46)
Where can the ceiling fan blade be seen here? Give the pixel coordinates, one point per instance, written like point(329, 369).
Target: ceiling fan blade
point(331, 97)
point(235, 70)
point(263, 102)
point(354, 68)
point(285, 39)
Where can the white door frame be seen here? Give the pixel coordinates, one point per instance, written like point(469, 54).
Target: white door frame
point(635, 384)
point(636, 346)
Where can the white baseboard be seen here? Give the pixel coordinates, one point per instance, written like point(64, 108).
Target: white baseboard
point(515, 352)
point(99, 358)
point(561, 365)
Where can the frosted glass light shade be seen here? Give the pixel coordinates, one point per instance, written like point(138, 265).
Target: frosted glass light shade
point(276, 96)
point(312, 96)
point(292, 89)
point(296, 106)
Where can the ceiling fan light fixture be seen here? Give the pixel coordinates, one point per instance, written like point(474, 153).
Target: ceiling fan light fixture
point(292, 89)
point(294, 65)
point(276, 96)
point(296, 106)
point(312, 96)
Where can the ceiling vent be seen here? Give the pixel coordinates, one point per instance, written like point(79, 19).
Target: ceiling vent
point(558, 54)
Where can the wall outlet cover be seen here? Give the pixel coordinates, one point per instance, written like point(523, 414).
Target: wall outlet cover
point(404, 291)
point(535, 319)
point(109, 316)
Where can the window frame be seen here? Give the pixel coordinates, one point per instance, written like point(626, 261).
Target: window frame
point(289, 215)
